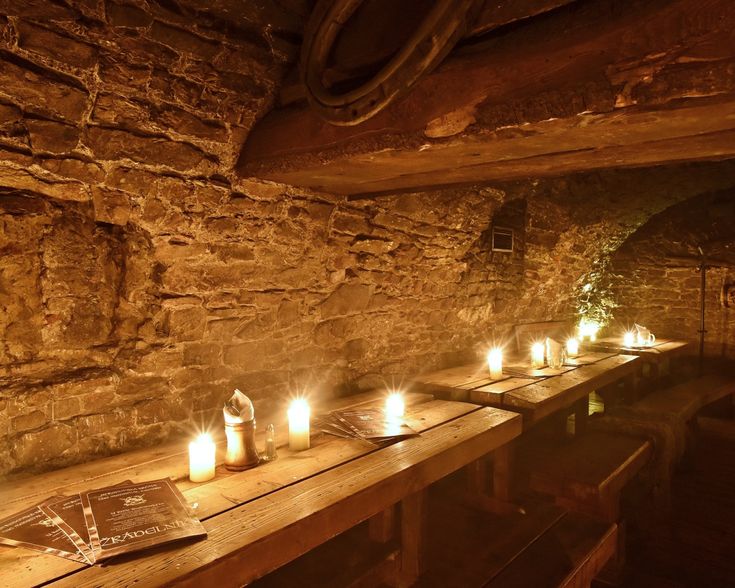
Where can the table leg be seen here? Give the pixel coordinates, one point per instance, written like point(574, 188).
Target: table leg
point(414, 528)
point(581, 415)
point(381, 527)
point(477, 477)
point(502, 472)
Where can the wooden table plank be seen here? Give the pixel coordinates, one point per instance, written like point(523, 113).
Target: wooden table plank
point(545, 397)
point(589, 357)
point(660, 351)
point(252, 539)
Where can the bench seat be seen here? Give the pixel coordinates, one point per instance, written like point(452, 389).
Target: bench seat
point(588, 473)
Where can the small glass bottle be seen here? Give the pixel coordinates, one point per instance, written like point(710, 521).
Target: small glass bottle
point(270, 444)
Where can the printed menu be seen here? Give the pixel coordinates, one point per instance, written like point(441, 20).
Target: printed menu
point(105, 522)
point(364, 423)
point(34, 529)
point(122, 519)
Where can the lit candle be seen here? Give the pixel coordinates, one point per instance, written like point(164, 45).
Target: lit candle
point(495, 363)
point(572, 347)
point(628, 339)
point(537, 355)
point(394, 405)
point(298, 425)
point(201, 458)
point(588, 329)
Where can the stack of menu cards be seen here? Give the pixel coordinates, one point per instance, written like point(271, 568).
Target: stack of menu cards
point(98, 524)
point(370, 424)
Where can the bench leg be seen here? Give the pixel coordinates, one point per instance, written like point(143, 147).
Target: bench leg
point(414, 528)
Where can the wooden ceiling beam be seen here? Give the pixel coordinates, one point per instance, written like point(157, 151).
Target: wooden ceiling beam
point(608, 84)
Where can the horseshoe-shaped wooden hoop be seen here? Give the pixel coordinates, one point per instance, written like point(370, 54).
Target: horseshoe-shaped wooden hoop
point(443, 26)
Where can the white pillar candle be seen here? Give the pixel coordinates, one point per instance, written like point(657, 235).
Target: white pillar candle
point(628, 339)
point(495, 363)
point(395, 407)
point(298, 425)
point(537, 355)
point(202, 452)
point(572, 347)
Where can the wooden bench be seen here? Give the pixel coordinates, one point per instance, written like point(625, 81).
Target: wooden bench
point(667, 416)
point(587, 474)
point(569, 555)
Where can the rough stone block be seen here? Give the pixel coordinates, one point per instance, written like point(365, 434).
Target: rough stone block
point(9, 114)
point(13, 177)
point(206, 354)
point(66, 408)
point(111, 206)
point(125, 15)
point(39, 447)
point(184, 41)
point(158, 411)
point(347, 299)
point(27, 422)
point(187, 323)
point(62, 48)
point(41, 90)
point(107, 423)
point(119, 144)
point(185, 123)
point(117, 110)
point(51, 136)
point(78, 169)
point(145, 386)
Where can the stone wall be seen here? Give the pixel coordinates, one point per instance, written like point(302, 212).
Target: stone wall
point(658, 281)
point(141, 279)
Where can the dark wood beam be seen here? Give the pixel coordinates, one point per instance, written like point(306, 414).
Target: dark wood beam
point(606, 84)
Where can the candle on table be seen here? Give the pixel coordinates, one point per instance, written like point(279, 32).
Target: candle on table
point(628, 339)
point(588, 329)
point(572, 347)
point(537, 355)
point(202, 453)
point(395, 407)
point(495, 363)
point(298, 425)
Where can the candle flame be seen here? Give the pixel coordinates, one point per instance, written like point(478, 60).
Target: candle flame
point(394, 405)
point(299, 406)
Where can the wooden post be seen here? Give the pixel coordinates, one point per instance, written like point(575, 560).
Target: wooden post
point(413, 537)
point(477, 477)
point(381, 527)
point(502, 472)
point(581, 413)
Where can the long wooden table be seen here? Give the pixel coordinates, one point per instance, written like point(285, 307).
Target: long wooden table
point(262, 518)
point(657, 357)
point(536, 393)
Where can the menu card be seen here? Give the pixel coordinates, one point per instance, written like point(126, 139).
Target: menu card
point(34, 529)
point(127, 518)
point(67, 513)
point(364, 423)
